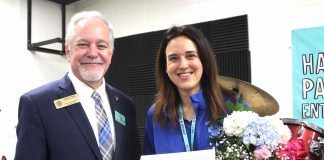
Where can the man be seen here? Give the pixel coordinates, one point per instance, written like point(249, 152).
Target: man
point(64, 120)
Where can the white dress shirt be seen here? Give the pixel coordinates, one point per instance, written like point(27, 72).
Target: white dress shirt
point(88, 104)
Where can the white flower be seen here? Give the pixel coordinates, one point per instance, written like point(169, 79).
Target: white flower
point(282, 129)
point(235, 123)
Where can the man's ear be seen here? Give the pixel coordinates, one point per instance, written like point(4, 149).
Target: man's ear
point(67, 52)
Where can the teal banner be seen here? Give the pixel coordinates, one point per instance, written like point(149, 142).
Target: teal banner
point(308, 72)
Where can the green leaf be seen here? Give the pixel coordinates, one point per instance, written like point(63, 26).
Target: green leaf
point(241, 99)
point(237, 107)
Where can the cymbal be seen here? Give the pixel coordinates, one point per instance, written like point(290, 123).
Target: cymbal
point(258, 100)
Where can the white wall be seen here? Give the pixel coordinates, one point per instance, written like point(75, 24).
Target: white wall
point(270, 26)
point(22, 70)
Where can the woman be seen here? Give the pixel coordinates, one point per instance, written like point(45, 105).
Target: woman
point(189, 96)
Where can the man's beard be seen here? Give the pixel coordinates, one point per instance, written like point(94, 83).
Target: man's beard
point(91, 75)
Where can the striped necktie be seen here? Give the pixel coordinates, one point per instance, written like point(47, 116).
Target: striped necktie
point(105, 138)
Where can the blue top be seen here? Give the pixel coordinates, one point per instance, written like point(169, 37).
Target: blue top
point(166, 139)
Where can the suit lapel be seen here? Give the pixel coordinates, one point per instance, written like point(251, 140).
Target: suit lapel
point(114, 105)
point(78, 115)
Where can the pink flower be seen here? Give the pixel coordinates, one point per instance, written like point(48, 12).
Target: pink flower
point(294, 150)
point(262, 153)
point(283, 140)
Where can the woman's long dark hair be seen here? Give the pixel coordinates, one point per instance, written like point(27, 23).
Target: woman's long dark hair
point(168, 98)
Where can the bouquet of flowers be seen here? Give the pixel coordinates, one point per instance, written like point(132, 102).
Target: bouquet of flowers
point(246, 135)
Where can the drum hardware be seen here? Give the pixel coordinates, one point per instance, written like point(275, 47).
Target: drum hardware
point(317, 148)
point(312, 136)
point(301, 129)
point(322, 148)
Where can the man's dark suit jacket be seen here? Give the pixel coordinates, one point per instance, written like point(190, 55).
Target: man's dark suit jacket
point(47, 133)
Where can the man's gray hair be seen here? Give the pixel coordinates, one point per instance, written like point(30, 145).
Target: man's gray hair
point(87, 15)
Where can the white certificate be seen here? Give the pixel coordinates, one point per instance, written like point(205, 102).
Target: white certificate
point(193, 155)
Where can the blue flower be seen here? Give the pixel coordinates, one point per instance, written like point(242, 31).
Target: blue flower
point(215, 131)
point(261, 133)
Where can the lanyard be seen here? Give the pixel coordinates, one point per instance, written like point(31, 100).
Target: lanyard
point(189, 147)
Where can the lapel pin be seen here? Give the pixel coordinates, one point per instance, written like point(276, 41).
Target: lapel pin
point(120, 118)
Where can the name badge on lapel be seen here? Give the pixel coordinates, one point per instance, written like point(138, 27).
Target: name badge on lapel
point(120, 118)
point(66, 101)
